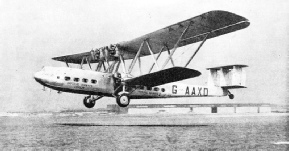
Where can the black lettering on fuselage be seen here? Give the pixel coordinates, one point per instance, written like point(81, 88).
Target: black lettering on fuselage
point(193, 91)
point(174, 89)
point(187, 91)
point(72, 83)
point(206, 91)
point(79, 87)
point(200, 90)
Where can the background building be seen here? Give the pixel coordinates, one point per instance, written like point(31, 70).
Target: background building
point(190, 108)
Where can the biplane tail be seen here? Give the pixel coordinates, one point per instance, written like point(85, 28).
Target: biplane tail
point(227, 77)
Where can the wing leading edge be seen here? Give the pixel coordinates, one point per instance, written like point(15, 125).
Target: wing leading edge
point(164, 76)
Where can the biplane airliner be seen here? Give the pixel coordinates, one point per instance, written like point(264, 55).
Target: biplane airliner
point(105, 80)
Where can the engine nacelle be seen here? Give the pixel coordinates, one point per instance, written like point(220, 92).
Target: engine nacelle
point(104, 53)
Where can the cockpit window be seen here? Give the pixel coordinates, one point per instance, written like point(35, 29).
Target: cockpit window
point(93, 81)
point(84, 80)
point(67, 78)
point(76, 79)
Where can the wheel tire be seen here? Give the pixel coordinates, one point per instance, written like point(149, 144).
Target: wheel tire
point(88, 103)
point(123, 100)
point(231, 96)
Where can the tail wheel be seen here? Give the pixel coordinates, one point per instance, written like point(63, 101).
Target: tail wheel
point(88, 102)
point(231, 96)
point(123, 100)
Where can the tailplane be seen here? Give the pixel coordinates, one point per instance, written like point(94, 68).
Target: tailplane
point(227, 77)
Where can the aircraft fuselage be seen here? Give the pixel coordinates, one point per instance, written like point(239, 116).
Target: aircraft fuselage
point(104, 84)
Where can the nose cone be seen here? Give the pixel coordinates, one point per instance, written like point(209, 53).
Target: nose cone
point(37, 77)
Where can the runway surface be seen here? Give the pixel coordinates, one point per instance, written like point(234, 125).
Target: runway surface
point(145, 132)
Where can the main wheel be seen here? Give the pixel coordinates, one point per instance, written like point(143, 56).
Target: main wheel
point(231, 96)
point(88, 102)
point(123, 100)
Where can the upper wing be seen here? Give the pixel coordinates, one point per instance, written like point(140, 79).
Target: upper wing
point(77, 58)
point(214, 22)
point(164, 76)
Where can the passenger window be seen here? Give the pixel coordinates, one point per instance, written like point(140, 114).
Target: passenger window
point(67, 78)
point(76, 79)
point(93, 81)
point(163, 89)
point(58, 77)
point(149, 88)
point(156, 89)
point(84, 80)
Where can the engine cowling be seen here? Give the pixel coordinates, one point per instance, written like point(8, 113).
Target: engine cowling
point(105, 53)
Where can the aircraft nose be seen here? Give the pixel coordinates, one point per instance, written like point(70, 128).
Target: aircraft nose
point(37, 77)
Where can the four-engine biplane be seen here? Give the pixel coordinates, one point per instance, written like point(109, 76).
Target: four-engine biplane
point(106, 80)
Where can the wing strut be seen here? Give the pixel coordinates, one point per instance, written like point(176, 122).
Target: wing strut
point(88, 62)
point(139, 63)
point(104, 68)
point(81, 64)
point(67, 64)
point(201, 44)
point(134, 60)
point(83, 61)
point(162, 49)
point(116, 67)
point(152, 54)
point(176, 45)
point(123, 64)
point(137, 56)
point(100, 63)
point(110, 68)
point(171, 58)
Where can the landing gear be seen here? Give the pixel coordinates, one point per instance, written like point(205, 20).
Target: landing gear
point(121, 94)
point(89, 101)
point(123, 100)
point(231, 96)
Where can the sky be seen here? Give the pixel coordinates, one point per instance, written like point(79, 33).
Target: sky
point(34, 31)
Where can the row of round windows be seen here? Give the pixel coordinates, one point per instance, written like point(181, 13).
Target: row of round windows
point(84, 80)
point(152, 88)
point(158, 89)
